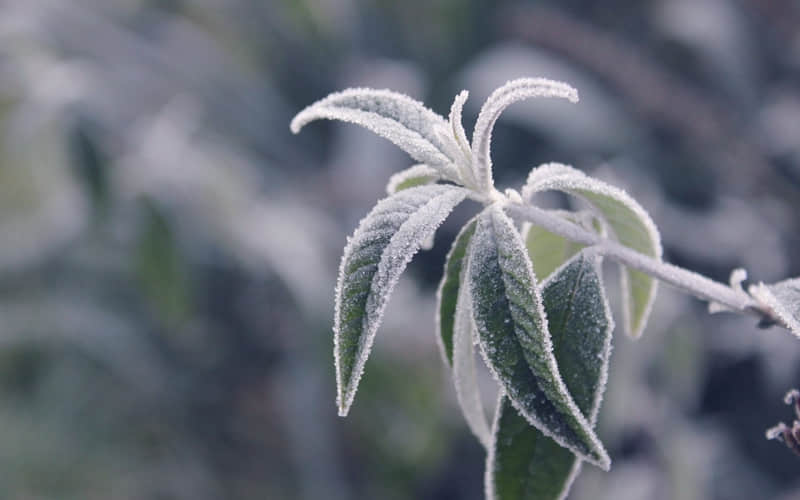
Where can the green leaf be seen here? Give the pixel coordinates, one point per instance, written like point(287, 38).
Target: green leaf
point(784, 300)
point(417, 175)
point(374, 257)
point(464, 375)
point(447, 294)
point(548, 250)
point(523, 463)
point(627, 222)
point(514, 337)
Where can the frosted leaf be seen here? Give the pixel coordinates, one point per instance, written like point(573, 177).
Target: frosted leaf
point(549, 250)
point(404, 121)
point(464, 376)
point(447, 294)
point(417, 175)
point(523, 462)
point(514, 337)
point(511, 92)
point(783, 298)
point(374, 257)
point(456, 122)
point(625, 219)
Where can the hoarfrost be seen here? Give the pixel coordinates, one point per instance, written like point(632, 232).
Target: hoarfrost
point(416, 175)
point(404, 121)
point(625, 219)
point(513, 91)
point(784, 299)
point(519, 352)
point(375, 256)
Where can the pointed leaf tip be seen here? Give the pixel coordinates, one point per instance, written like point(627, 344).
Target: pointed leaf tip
point(515, 340)
point(523, 462)
point(374, 257)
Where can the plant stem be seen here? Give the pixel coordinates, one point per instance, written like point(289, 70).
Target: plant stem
point(689, 281)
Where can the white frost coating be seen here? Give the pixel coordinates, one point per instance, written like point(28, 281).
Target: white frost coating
point(404, 121)
point(513, 91)
point(456, 123)
point(488, 477)
point(606, 354)
point(404, 243)
point(509, 242)
point(421, 171)
point(556, 176)
point(736, 279)
point(783, 298)
point(776, 432)
point(464, 375)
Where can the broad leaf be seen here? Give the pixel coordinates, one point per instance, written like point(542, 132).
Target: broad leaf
point(416, 129)
point(514, 337)
point(464, 375)
point(548, 250)
point(523, 463)
point(447, 294)
point(784, 299)
point(373, 260)
point(503, 97)
point(417, 175)
point(625, 219)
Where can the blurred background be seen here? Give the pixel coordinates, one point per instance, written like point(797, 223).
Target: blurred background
point(169, 249)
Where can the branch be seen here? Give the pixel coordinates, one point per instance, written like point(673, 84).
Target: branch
point(691, 282)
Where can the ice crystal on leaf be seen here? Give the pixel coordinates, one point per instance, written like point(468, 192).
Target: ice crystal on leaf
point(625, 219)
point(375, 256)
point(547, 344)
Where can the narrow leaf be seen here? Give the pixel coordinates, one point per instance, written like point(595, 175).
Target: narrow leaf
point(404, 121)
point(417, 175)
point(511, 92)
point(784, 299)
point(514, 337)
point(464, 375)
point(375, 256)
point(523, 463)
point(547, 250)
point(447, 294)
point(625, 219)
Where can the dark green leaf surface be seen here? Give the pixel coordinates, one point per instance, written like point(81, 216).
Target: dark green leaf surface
point(375, 256)
point(524, 463)
point(514, 336)
point(448, 290)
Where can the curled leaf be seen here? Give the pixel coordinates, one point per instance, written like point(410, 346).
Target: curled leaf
point(404, 121)
point(514, 336)
point(513, 91)
point(626, 221)
point(374, 257)
point(523, 463)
